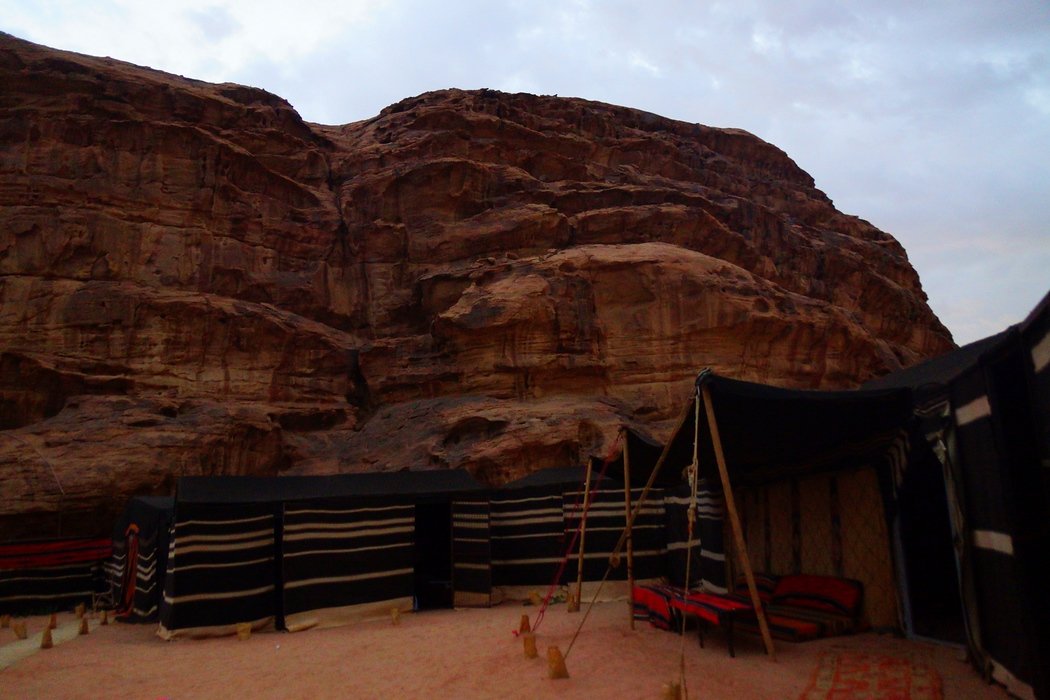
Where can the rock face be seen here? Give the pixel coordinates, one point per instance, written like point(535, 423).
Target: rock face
point(193, 280)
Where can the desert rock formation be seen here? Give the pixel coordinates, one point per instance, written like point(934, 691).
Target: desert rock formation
point(193, 280)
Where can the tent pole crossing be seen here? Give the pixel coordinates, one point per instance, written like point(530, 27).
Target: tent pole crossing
point(623, 535)
point(734, 523)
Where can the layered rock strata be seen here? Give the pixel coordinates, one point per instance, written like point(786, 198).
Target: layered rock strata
point(193, 280)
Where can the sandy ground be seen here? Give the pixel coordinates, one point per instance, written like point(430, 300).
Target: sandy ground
point(442, 654)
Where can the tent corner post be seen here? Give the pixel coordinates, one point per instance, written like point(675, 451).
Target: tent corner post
point(627, 520)
point(734, 522)
point(583, 531)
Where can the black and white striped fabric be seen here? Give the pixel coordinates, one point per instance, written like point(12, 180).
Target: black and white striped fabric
point(113, 573)
point(606, 521)
point(344, 561)
point(141, 535)
point(145, 602)
point(1036, 340)
point(711, 522)
point(51, 575)
point(676, 532)
point(471, 553)
point(221, 570)
point(528, 534)
point(987, 478)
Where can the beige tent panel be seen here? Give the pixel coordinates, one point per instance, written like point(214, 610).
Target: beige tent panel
point(862, 528)
point(866, 544)
point(814, 496)
point(780, 527)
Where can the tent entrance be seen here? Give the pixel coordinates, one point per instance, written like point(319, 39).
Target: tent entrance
point(433, 556)
point(934, 604)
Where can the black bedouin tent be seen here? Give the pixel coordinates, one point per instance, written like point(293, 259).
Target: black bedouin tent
point(50, 575)
point(535, 520)
point(985, 412)
point(807, 467)
point(930, 485)
point(299, 552)
point(638, 458)
point(137, 568)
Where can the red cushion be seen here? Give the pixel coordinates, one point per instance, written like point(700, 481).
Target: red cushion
point(827, 593)
point(765, 583)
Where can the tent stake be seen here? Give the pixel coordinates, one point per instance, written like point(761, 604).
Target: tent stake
point(627, 518)
point(734, 523)
point(583, 537)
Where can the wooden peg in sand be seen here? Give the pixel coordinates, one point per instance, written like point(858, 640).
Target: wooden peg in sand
point(5, 621)
point(556, 664)
point(395, 616)
point(104, 620)
point(19, 629)
point(45, 641)
point(83, 626)
point(79, 610)
point(244, 631)
point(529, 645)
point(524, 625)
point(672, 691)
point(573, 602)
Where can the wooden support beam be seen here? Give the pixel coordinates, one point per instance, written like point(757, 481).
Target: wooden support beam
point(583, 532)
point(652, 478)
point(734, 523)
point(628, 520)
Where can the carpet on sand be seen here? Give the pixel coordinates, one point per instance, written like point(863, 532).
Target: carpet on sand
point(869, 676)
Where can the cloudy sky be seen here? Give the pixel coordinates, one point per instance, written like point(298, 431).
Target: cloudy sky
point(930, 119)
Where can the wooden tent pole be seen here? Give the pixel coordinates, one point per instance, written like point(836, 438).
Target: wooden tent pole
point(583, 530)
point(734, 523)
point(627, 519)
point(652, 477)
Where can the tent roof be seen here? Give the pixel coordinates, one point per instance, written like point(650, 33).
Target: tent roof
point(251, 489)
point(1040, 312)
point(162, 503)
point(645, 452)
point(145, 511)
point(552, 476)
point(768, 432)
point(929, 377)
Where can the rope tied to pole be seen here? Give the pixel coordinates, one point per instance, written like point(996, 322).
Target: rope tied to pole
point(694, 481)
point(576, 534)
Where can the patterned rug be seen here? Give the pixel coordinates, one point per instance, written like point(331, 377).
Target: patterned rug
point(871, 676)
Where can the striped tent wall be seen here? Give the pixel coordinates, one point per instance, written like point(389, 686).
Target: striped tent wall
point(221, 570)
point(985, 477)
point(149, 584)
point(707, 566)
point(135, 574)
point(710, 522)
point(471, 553)
point(528, 535)
point(345, 561)
point(1036, 340)
point(606, 521)
point(113, 573)
point(51, 575)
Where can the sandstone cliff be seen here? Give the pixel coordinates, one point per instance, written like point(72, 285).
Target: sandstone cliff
point(193, 280)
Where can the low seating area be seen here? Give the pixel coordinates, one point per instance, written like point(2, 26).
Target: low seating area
point(665, 606)
point(799, 607)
